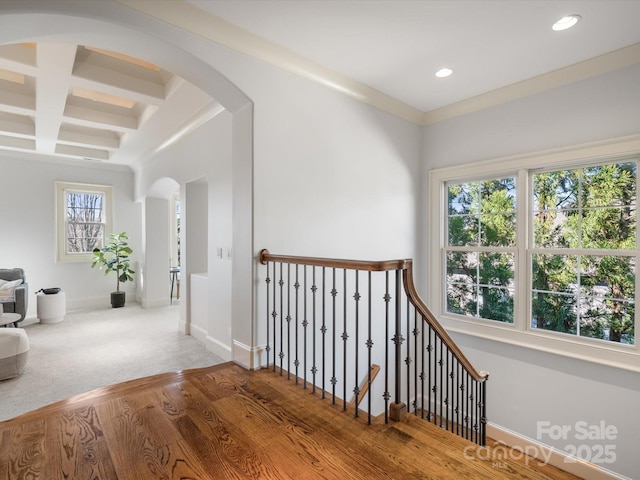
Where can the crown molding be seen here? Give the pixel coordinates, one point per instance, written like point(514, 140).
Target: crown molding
point(187, 17)
point(608, 62)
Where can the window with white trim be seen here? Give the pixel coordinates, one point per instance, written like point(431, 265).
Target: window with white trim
point(540, 251)
point(583, 258)
point(83, 219)
point(479, 255)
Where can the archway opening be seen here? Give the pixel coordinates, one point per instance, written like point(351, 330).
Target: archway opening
point(115, 28)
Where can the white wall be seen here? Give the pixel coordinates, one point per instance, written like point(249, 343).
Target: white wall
point(600, 108)
point(27, 231)
point(156, 252)
point(528, 386)
point(332, 177)
point(201, 164)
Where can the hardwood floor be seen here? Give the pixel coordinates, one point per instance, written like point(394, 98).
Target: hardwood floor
point(224, 422)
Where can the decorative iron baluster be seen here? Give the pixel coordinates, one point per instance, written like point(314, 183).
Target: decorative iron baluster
point(274, 315)
point(483, 437)
point(454, 392)
point(369, 346)
point(356, 390)
point(305, 323)
point(437, 405)
point(345, 336)
point(323, 329)
point(430, 384)
point(398, 339)
point(334, 380)
point(472, 408)
point(409, 360)
point(281, 283)
point(386, 395)
point(443, 387)
point(449, 399)
point(466, 408)
point(476, 426)
point(445, 370)
point(314, 368)
point(458, 391)
point(288, 321)
point(268, 347)
point(296, 362)
point(422, 367)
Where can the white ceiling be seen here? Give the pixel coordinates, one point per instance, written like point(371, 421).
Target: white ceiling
point(393, 47)
point(396, 46)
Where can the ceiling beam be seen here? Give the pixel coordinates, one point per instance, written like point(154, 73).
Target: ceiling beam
point(55, 62)
point(85, 136)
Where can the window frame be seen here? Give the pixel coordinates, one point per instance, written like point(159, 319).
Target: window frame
point(478, 248)
point(520, 332)
point(61, 189)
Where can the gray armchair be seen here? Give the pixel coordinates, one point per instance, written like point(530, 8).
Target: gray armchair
point(20, 294)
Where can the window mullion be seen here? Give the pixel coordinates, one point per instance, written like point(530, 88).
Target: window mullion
point(636, 320)
point(524, 240)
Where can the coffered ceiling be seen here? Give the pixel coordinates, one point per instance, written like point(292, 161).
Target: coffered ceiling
point(79, 102)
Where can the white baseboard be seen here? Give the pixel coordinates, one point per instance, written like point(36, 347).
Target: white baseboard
point(251, 358)
point(214, 345)
point(550, 455)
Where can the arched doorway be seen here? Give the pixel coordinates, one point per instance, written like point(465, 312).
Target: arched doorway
point(112, 26)
point(158, 234)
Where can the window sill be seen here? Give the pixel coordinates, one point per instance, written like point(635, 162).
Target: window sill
point(625, 357)
point(76, 258)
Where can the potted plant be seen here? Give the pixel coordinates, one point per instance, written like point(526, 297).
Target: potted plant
point(114, 257)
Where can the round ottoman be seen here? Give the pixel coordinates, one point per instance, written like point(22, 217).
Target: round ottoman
point(14, 350)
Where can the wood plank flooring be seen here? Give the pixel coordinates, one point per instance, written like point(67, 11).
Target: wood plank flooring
point(224, 422)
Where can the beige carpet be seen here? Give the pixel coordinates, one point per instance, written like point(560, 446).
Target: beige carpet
point(92, 349)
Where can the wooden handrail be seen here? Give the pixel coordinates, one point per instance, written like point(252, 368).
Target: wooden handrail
point(383, 266)
point(414, 298)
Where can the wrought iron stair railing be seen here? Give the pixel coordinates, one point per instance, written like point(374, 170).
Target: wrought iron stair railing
point(332, 320)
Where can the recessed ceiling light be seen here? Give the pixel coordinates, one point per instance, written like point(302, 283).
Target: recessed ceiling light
point(566, 22)
point(444, 72)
